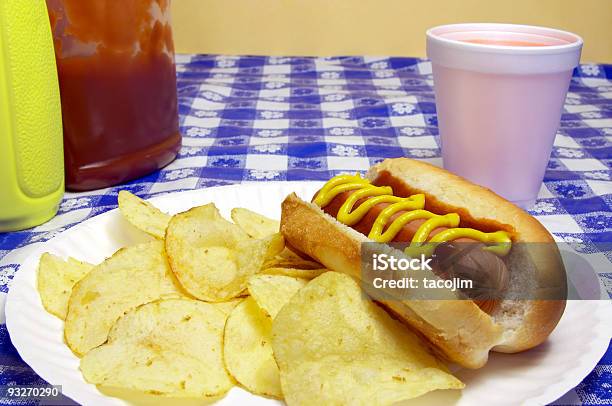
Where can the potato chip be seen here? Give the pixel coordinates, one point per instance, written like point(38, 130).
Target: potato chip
point(288, 259)
point(55, 279)
point(288, 253)
point(334, 347)
point(142, 214)
point(275, 243)
point(247, 350)
point(167, 347)
point(291, 263)
point(213, 258)
point(227, 307)
point(131, 277)
point(295, 272)
point(272, 292)
point(254, 224)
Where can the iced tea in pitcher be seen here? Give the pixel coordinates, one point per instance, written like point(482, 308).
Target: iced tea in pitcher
point(117, 77)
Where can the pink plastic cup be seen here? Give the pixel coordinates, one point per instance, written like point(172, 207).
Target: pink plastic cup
point(499, 91)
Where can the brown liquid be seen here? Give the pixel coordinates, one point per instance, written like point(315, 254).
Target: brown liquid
point(119, 108)
point(506, 43)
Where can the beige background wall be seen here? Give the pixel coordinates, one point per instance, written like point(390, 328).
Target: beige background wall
point(369, 27)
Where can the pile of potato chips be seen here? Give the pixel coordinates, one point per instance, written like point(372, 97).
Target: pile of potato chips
point(208, 304)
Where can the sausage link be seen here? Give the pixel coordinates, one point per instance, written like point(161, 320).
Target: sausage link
point(463, 257)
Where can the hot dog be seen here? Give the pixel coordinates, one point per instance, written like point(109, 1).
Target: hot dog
point(403, 200)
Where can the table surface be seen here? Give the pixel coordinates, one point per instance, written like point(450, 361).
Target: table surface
point(277, 118)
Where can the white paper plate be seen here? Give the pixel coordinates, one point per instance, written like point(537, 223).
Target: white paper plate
point(538, 376)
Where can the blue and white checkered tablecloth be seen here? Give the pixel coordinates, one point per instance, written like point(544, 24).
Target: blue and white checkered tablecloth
point(276, 118)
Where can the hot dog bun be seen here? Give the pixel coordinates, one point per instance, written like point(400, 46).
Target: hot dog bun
point(458, 329)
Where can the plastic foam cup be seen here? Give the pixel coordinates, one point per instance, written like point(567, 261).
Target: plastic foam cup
point(500, 90)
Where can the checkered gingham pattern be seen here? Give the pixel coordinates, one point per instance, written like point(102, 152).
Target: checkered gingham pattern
point(275, 118)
